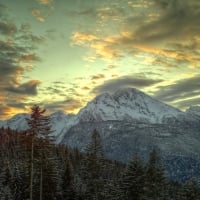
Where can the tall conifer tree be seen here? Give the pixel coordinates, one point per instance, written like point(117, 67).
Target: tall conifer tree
point(93, 168)
point(39, 127)
point(133, 181)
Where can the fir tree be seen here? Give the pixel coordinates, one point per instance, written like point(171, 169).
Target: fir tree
point(133, 181)
point(92, 171)
point(190, 190)
point(39, 127)
point(5, 179)
point(155, 181)
point(67, 184)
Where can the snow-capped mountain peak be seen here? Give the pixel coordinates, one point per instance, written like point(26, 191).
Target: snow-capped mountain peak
point(127, 104)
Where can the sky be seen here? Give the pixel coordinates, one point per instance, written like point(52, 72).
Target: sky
point(60, 54)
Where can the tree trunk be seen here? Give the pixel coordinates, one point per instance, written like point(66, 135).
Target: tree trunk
point(41, 181)
point(31, 175)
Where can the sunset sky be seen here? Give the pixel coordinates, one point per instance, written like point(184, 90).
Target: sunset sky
point(60, 54)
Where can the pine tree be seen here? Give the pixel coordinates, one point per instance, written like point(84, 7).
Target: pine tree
point(155, 181)
point(5, 179)
point(92, 168)
point(133, 181)
point(39, 127)
point(67, 185)
point(190, 190)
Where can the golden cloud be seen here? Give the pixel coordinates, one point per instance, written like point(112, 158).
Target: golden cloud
point(175, 54)
point(106, 51)
point(85, 88)
point(45, 2)
point(8, 112)
point(28, 58)
point(103, 46)
point(98, 76)
point(38, 15)
point(79, 38)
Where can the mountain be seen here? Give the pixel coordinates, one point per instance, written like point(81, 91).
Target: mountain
point(60, 123)
point(129, 121)
point(17, 122)
point(193, 111)
point(127, 105)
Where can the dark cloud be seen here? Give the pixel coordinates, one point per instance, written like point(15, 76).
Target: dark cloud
point(18, 54)
point(177, 20)
point(54, 90)
point(188, 103)
point(7, 28)
point(29, 88)
point(29, 58)
point(98, 76)
point(186, 88)
point(85, 88)
point(69, 105)
point(17, 105)
point(124, 82)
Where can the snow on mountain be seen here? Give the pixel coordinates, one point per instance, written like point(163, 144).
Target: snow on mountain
point(17, 122)
point(127, 105)
point(61, 123)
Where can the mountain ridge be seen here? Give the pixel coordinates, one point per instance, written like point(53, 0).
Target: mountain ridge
point(127, 105)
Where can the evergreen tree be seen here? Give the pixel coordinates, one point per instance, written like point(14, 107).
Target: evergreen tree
point(155, 181)
point(190, 190)
point(5, 179)
point(67, 185)
point(39, 127)
point(92, 168)
point(133, 181)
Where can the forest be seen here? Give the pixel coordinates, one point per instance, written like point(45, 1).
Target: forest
point(32, 167)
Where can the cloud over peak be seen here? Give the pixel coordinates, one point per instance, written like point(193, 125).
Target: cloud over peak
point(123, 82)
point(28, 88)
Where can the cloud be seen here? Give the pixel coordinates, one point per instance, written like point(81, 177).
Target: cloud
point(45, 2)
point(7, 28)
point(29, 58)
point(180, 90)
point(18, 105)
point(18, 47)
point(188, 103)
point(104, 48)
point(6, 112)
point(70, 105)
point(38, 15)
point(124, 82)
point(99, 13)
point(85, 88)
point(167, 30)
point(28, 88)
point(80, 38)
point(178, 21)
point(98, 76)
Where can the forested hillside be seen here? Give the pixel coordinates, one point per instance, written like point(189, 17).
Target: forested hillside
point(32, 167)
point(62, 173)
